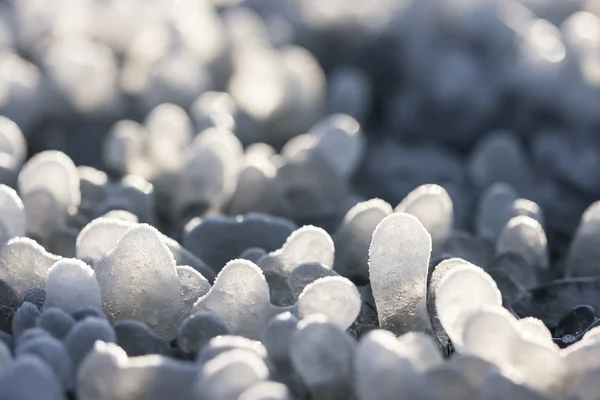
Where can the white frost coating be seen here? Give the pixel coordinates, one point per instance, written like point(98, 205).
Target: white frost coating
point(12, 141)
point(333, 296)
point(536, 328)
point(72, 286)
point(353, 238)
point(398, 265)
point(464, 290)
point(100, 236)
point(54, 172)
point(525, 236)
point(240, 296)
point(584, 248)
point(139, 281)
point(12, 212)
point(24, 264)
point(306, 244)
point(193, 286)
point(433, 207)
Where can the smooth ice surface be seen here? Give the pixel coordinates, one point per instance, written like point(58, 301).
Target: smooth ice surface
point(229, 374)
point(525, 236)
point(25, 264)
point(398, 264)
point(138, 281)
point(197, 329)
point(29, 377)
point(71, 286)
point(334, 296)
point(193, 286)
point(305, 274)
point(277, 337)
point(353, 237)
point(465, 289)
point(495, 210)
point(240, 296)
point(433, 207)
point(584, 249)
point(12, 212)
point(322, 354)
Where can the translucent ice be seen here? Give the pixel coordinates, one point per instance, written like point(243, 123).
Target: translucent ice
point(322, 354)
point(197, 329)
point(193, 286)
point(138, 281)
point(433, 207)
point(398, 264)
point(25, 264)
point(526, 237)
point(29, 377)
point(71, 286)
point(584, 251)
point(353, 237)
point(240, 296)
point(12, 212)
point(225, 343)
point(464, 290)
point(333, 296)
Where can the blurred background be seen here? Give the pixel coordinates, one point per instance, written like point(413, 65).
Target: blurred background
point(462, 93)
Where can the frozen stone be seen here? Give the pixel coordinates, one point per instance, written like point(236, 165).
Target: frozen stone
point(448, 383)
point(54, 353)
point(71, 286)
point(333, 296)
point(84, 334)
point(29, 377)
point(353, 237)
point(225, 343)
point(433, 207)
point(24, 318)
point(583, 251)
point(138, 281)
point(239, 296)
point(138, 340)
point(56, 322)
point(322, 353)
point(526, 237)
point(497, 387)
point(36, 296)
point(305, 274)
point(253, 254)
point(12, 141)
point(277, 337)
point(193, 286)
point(398, 264)
point(197, 329)
point(8, 296)
point(495, 210)
point(12, 212)
point(25, 264)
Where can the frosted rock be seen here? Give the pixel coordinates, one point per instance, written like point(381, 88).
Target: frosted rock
point(463, 245)
point(277, 337)
point(536, 328)
point(54, 172)
point(225, 343)
point(12, 211)
point(44, 214)
point(433, 207)
point(583, 252)
point(25, 318)
point(54, 353)
point(98, 373)
point(240, 296)
point(6, 358)
point(8, 296)
point(516, 267)
point(526, 237)
point(36, 296)
point(398, 264)
point(136, 339)
point(84, 334)
point(340, 140)
point(253, 254)
point(234, 235)
point(25, 264)
point(447, 383)
point(193, 286)
point(12, 141)
point(381, 371)
point(353, 237)
point(322, 354)
point(497, 387)
point(29, 377)
point(465, 289)
point(197, 329)
point(305, 274)
point(333, 296)
point(495, 210)
point(267, 390)
point(56, 322)
point(474, 369)
point(71, 286)
point(138, 281)
point(229, 374)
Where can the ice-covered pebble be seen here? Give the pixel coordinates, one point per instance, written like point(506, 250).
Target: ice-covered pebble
point(29, 377)
point(193, 286)
point(56, 322)
point(277, 337)
point(583, 250)
point(267, 390)
point(71, 286)
point(525, 236)
point(84, 334)
point(12, 212)
point(305, 274)
point(54, 353)
point(136, 339)
point(8, 296)
point(25, 318)
point(197, 329)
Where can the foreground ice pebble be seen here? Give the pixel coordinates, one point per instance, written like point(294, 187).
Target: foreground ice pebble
point(321, 353)
point(584, 251)
point(72, 286)
point(525, 236)
point(84, 334)
point(353, 237)
point(12, 213)
point(240, 297)
point(197, 329)
point(398, 265)
point(25, 264)
point(53, 352)
point(464, 289)
point(267, 390)
point(277, 338)
point(229, 374)
point(29, 377)
point(383, 367)
point(138, 280)
point(107, 373)
point(433, 207)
